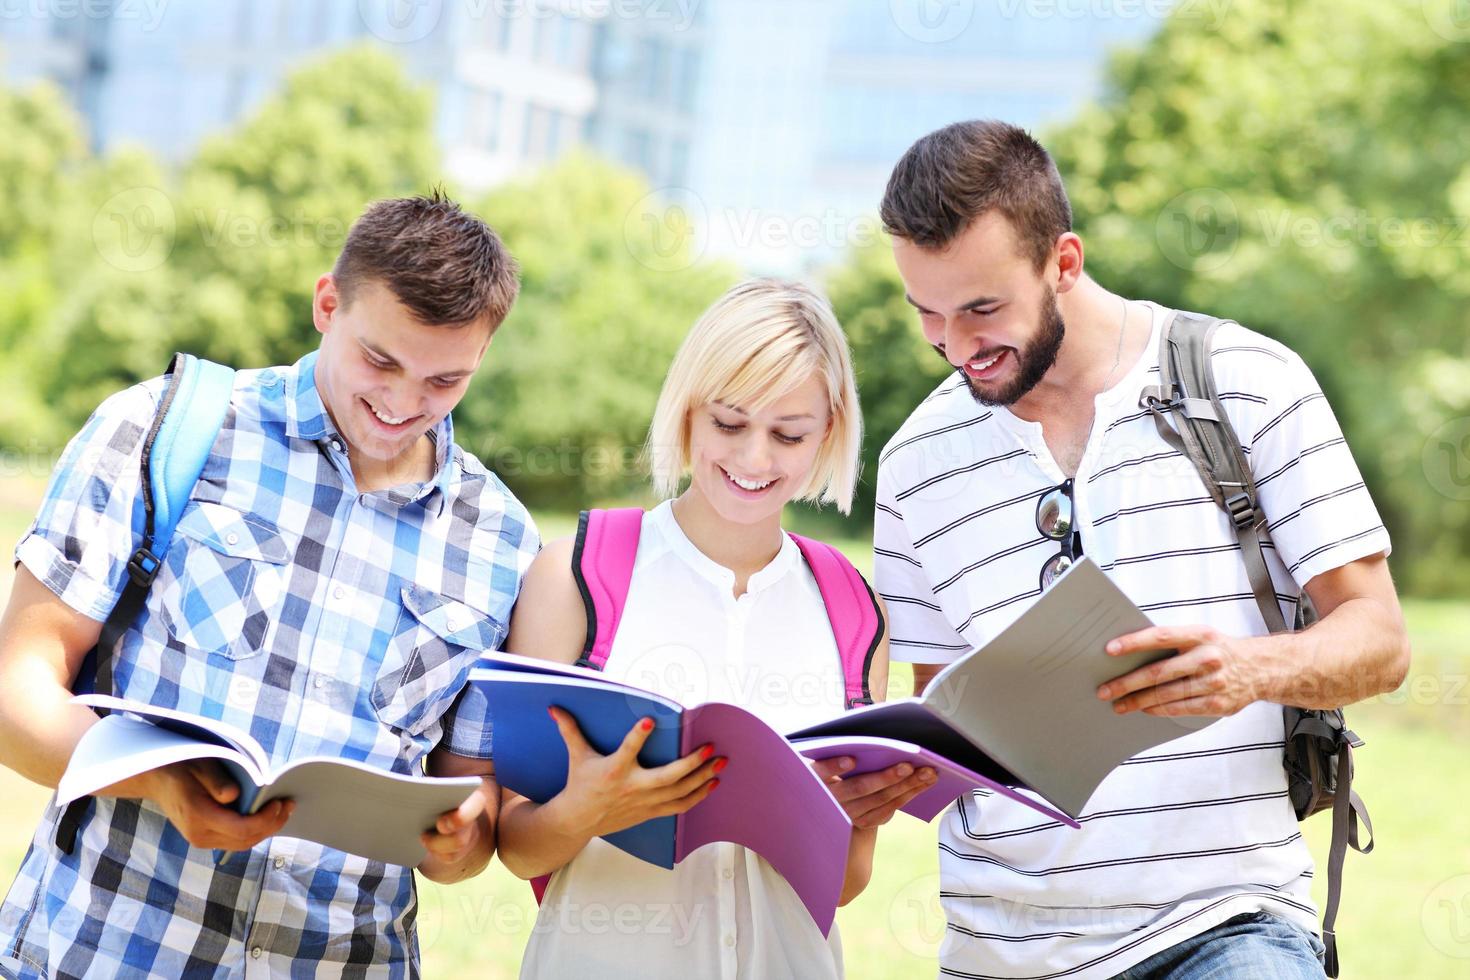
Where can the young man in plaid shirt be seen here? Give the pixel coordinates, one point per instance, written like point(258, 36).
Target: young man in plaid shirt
point(339, 566)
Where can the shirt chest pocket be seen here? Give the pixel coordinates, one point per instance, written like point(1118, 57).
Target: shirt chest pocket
point(230, 576)
point(435, 643)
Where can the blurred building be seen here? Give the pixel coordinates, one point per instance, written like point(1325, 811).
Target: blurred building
point(777, 119)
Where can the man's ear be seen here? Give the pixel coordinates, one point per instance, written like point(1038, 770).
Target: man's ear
point(1068, 259)
point(325, 303)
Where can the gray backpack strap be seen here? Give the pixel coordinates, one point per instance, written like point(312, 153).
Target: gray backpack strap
point(1205, 436)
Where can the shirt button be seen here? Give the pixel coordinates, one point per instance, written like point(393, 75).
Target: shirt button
point(280, 863)
point(336, 446)
point(232, 538)
point(453, 623)
point(729, 940)
point(318, 681)
point(728, 873)
point(255, 953)
point(339, 593)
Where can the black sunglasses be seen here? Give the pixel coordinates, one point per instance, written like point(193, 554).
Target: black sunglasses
point(1055, 521)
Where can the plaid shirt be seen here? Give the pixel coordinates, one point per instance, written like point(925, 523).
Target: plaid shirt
point(322, 620)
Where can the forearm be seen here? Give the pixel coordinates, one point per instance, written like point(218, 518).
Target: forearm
point(1360, 650)
point(538, 838)
point(39, 726)
point(859, 863)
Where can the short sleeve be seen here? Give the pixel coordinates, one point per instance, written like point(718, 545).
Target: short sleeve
point(919, 632)
point(467, 723)
point(91, 518)
point(1319, 513)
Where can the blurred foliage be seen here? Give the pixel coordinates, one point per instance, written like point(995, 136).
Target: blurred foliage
point(1318, 192)
point(1304, 168)
point(562, 404)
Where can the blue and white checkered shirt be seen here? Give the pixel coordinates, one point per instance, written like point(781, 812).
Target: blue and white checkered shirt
point(322, 620)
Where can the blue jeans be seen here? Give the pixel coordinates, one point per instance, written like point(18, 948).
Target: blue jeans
point(1254, 946)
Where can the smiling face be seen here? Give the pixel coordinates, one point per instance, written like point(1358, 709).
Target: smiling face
point(748, 465)
point(385, 378)
point(985, 308)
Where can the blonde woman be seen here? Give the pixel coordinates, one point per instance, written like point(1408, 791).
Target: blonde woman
point(759, 408)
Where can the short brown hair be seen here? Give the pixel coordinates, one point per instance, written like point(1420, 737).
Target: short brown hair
point(954, 175)
point(447, 266)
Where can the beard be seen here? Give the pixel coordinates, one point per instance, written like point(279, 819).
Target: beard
point(1032, 361)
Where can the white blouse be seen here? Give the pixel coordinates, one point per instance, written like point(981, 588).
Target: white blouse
point(723, 912)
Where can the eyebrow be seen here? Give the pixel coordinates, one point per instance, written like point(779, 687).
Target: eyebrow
point(972, 304)
point(784, 418)
point(393, 361)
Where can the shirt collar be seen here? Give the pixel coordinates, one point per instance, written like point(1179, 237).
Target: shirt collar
point(307, 418)
point(668, 526)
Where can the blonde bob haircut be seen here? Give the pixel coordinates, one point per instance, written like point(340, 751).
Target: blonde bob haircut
point(759, 341)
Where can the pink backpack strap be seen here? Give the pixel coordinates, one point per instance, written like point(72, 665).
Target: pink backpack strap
point(602, 563)
point(857, 623)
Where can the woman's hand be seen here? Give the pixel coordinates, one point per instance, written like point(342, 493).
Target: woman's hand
point(608, 793)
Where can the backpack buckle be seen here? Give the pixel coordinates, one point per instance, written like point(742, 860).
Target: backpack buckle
point(143, 567)
point(858, 702)
point(1242, 509)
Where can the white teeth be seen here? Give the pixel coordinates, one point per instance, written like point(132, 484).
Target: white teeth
point(983, 365)
point(386, 420)
point(747, 484)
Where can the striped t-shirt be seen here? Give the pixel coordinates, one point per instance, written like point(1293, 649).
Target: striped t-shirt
point(1185, 836)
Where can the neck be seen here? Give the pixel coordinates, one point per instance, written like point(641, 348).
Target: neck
point(743, 548)
point(1097, 351)
point(414, 466)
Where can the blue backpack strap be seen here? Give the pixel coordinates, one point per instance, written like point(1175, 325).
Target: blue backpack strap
point(186, 423)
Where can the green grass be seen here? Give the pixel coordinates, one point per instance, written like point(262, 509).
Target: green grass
point(1406, 906)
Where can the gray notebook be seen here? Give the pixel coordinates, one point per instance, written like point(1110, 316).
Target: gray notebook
point(1024, 708)
point(341, 803)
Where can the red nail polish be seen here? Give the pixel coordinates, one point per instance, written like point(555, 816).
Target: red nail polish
point(706, 752)
point(720, 765)
point(713, 783)
point(646, 724)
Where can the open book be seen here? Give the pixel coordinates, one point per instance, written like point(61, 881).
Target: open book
point(1023, 710)
point(769, 799)
point(341, 803)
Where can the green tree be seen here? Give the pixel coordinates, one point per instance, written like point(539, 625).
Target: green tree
point(1318, 192)
point(895, 368)
point(563, 403)
point(263, 210)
